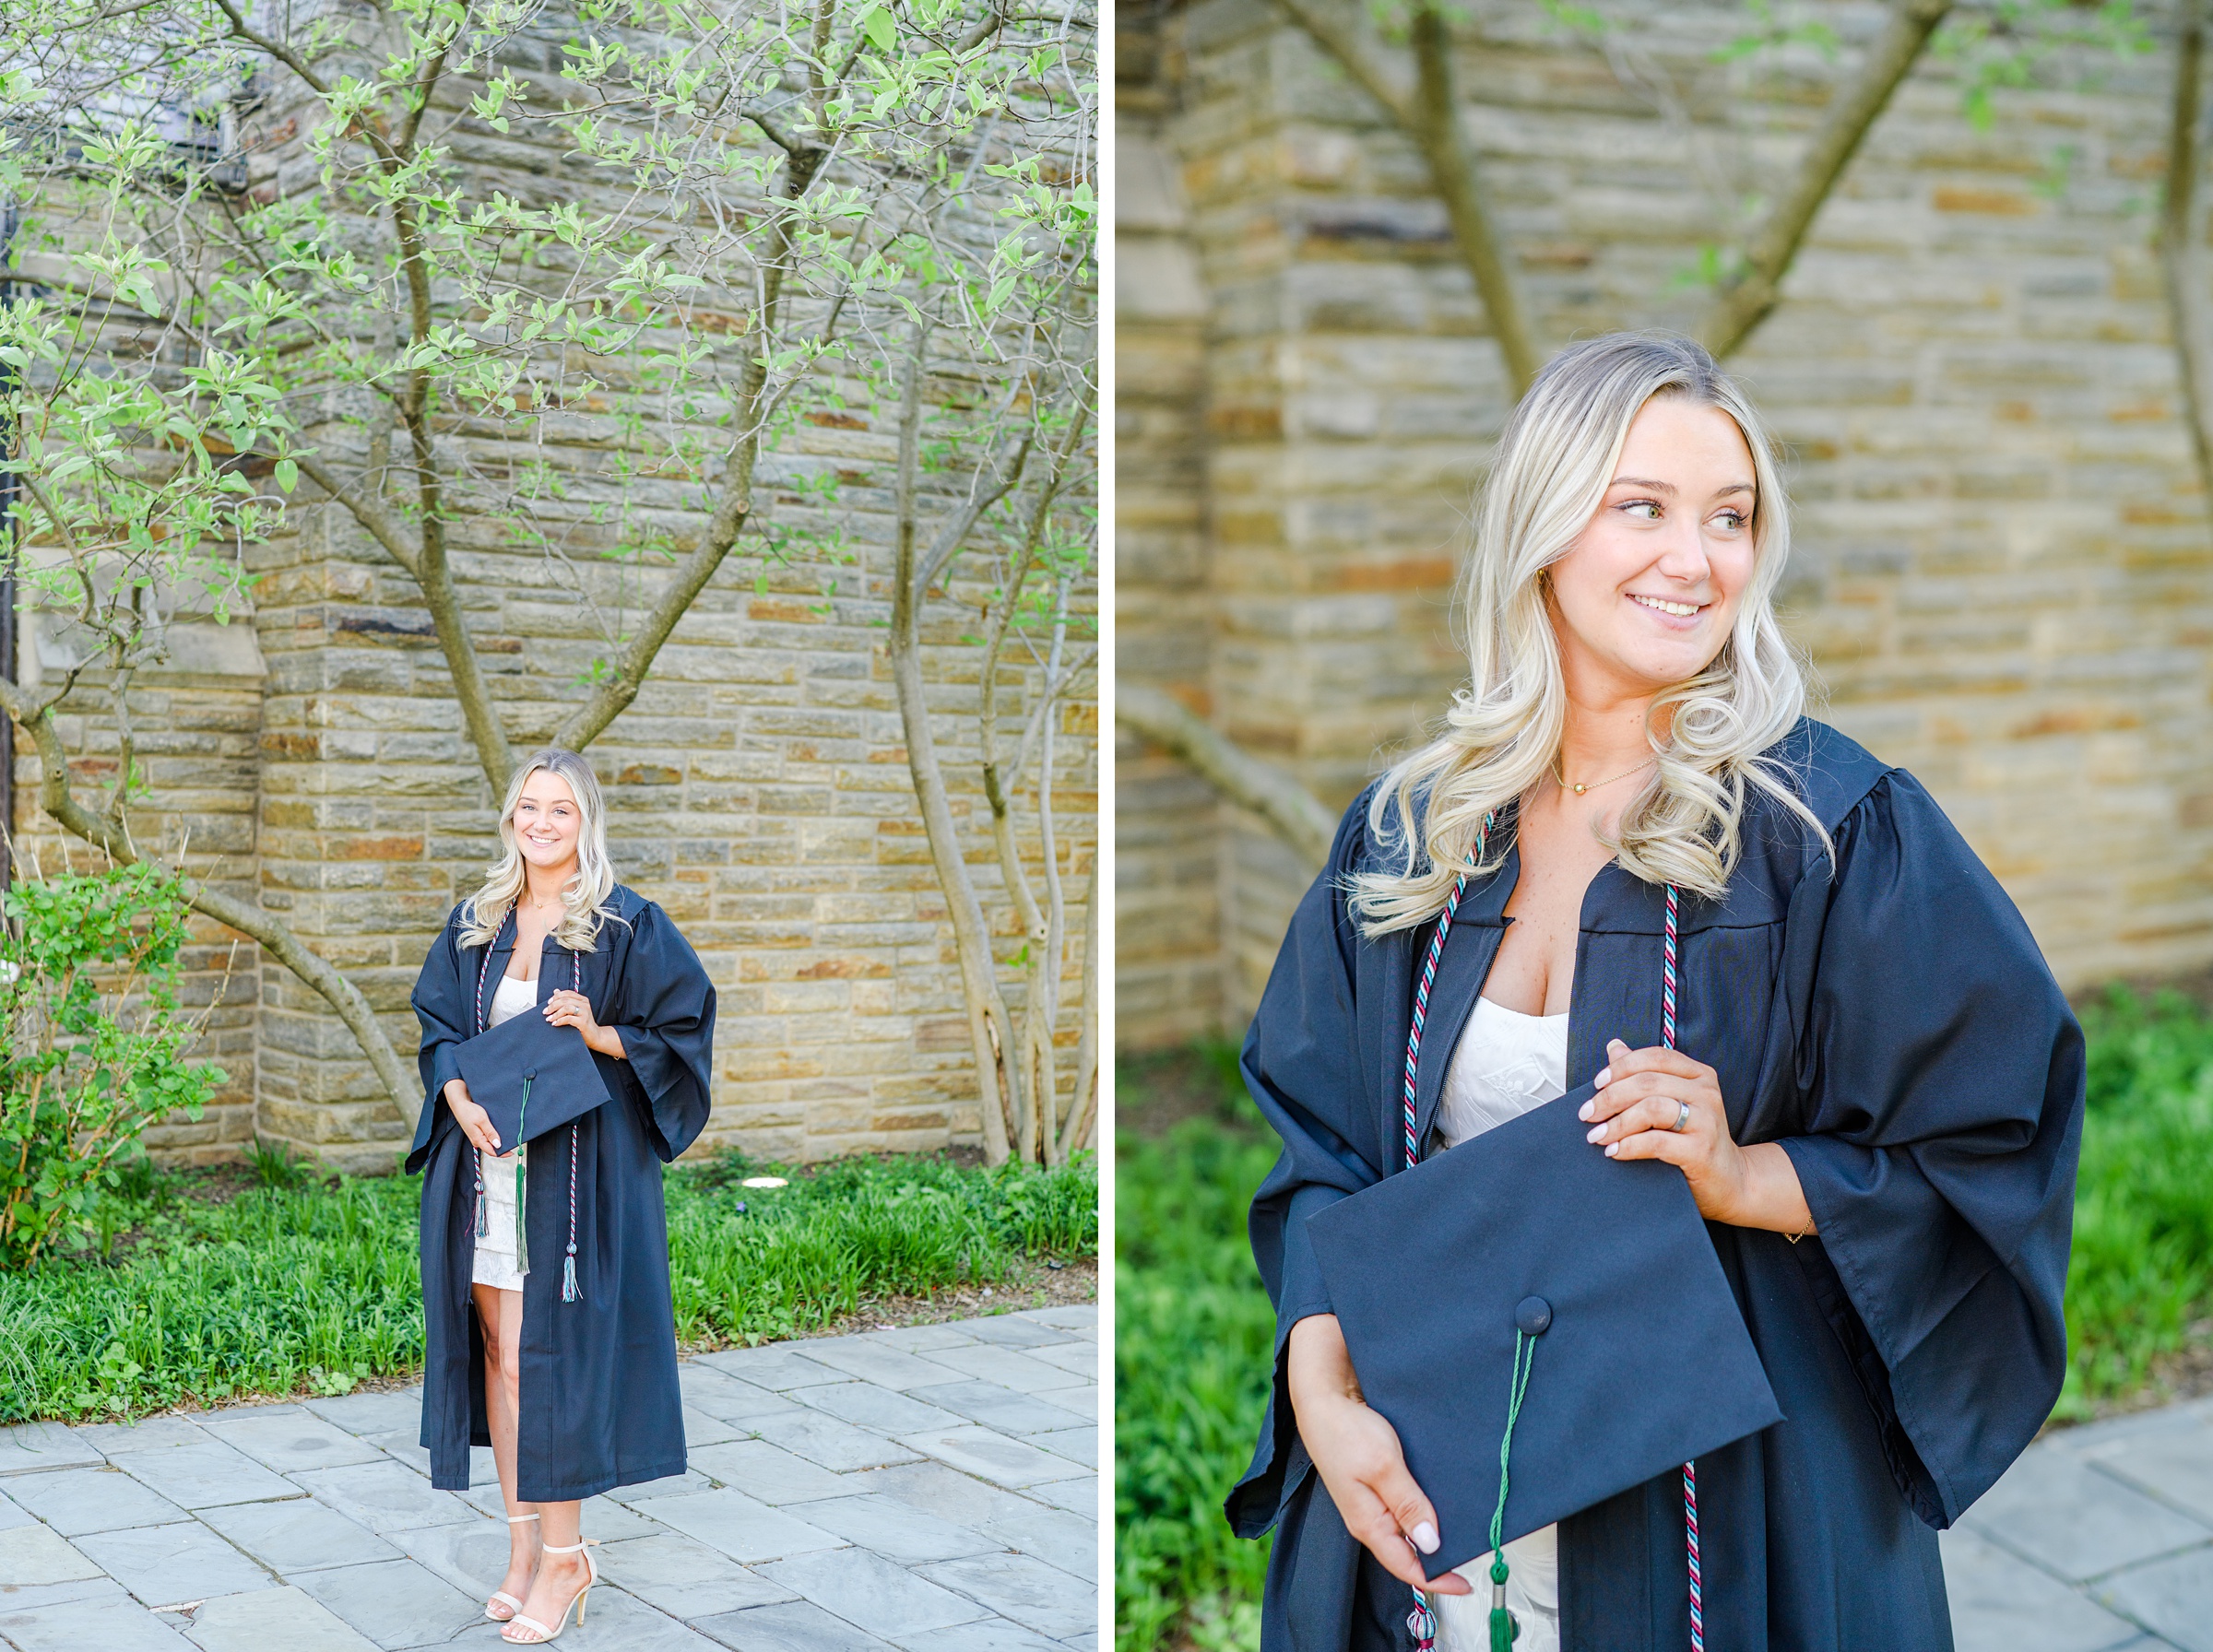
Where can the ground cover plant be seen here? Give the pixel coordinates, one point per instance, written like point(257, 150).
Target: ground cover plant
point(196, 1290)
point(1194, 1332)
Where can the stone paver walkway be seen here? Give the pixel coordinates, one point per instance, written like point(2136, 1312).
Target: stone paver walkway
point(932, 1489)
point(2100, 1538)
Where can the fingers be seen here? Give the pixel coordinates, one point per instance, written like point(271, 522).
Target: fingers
point(1621, 1061)
point(1408, 1529)
point(1655, 1115)
point(1632, 1076)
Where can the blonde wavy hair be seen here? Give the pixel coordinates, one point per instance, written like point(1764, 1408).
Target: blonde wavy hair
point(1503, 732)
point(584, 897)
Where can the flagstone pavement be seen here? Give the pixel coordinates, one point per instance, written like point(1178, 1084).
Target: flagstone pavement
point(932, 1489)
point(2099, 1539)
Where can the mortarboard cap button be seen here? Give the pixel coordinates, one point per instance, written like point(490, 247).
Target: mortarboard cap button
point(530, 1072)
point(1533, 1316)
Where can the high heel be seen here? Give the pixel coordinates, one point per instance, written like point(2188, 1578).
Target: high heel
point(582, 1546)
point(514, 1605)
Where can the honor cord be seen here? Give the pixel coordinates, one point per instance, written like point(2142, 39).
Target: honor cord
point(1422, 1620)
point(568, 1266)
point(1690, 1469)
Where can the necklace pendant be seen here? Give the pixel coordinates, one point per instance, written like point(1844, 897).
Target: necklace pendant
point(1581, 790)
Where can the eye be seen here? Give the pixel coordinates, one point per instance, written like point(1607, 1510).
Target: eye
point(1733, 521)
point(1644, 509)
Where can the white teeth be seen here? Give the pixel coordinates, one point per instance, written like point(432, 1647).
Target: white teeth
point(1683, 609)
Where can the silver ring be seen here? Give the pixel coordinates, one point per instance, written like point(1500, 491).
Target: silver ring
point(1682, 1117)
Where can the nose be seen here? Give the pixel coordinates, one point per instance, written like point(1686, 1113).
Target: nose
point(1683, 556)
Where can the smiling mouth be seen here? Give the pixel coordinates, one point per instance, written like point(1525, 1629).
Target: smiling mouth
point(1661, 605)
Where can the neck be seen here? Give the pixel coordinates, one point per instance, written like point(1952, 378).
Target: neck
point(543, 885)
point(1604, 737)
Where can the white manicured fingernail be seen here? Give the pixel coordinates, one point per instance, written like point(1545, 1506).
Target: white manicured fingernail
point(1605, 1076)
point(1599, 1134)
point(1613, 1149)
point(1424, 1538)
point(1585, 1111)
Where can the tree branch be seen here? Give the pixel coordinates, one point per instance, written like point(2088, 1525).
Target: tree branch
point(612, 694)
point(1743, 303)
point(1084, 1106)
point(1291, 811)
point(288, 949)
point(1438, 132)
point(365, 509)
point(2181, 240)
point(1426, 110)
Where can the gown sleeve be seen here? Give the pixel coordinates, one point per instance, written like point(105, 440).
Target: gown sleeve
point(1301, 1062)
point(1941, 1075)
point(440, 1004)
point(666, 1023)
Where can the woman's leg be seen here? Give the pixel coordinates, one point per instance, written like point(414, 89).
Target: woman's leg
point(502, 1314)
point(560, 1576)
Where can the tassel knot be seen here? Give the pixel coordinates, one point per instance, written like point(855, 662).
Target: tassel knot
point(1422, 1622)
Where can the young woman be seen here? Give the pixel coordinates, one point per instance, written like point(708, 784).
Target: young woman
point(1876, 1096)
point(568, 1372)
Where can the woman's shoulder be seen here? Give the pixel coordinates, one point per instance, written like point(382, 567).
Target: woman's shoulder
point(1832, 773)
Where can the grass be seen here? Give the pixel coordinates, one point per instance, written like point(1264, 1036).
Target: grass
point(1194, 1337)
point(1195, 1333)
point(2141, 1277)
point(290, 1284)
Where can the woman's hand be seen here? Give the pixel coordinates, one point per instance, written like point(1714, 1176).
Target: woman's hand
point(475, 1124)
point(1356, 1452)
point(570, 1009)
point(1642, 1096)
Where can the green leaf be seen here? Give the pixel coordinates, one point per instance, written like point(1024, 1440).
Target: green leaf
point(876, 23)
point(288, 475)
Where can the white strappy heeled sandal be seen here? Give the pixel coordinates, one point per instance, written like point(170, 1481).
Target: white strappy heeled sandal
point(584, 1547)
point(514, 1605)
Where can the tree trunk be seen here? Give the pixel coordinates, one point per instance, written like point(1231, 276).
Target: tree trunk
point(990, 1030)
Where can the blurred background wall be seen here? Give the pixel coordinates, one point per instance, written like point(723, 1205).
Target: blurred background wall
point(2002, 552)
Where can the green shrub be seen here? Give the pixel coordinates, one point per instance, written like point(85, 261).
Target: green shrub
point(94, 1045)
point(298, 1284)
point(800, 1255)
point(2142, 1268)
point(1194, 1339)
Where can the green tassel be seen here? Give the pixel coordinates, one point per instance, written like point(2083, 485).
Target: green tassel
point(522, 1184)
point(1503, 1627)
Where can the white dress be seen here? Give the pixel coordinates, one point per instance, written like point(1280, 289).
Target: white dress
point(1505, 1064)
point(496, 1251)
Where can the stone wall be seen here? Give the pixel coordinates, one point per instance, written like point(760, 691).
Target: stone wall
point(310, 756)
point(2002, 558)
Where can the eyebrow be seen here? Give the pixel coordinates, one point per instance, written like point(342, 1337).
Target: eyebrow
point(1669, 488)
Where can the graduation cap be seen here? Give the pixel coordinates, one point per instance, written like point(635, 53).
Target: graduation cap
point(1524, 1282)
point(530, 1077)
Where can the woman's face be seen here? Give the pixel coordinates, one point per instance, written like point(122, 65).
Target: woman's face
point(547, 820)
point(1646, 594)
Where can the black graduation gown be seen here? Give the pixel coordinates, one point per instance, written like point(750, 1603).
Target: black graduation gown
point(599, 1406)
point(1893, 1025)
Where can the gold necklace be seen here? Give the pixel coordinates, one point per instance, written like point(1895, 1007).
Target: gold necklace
point(1566, 786)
